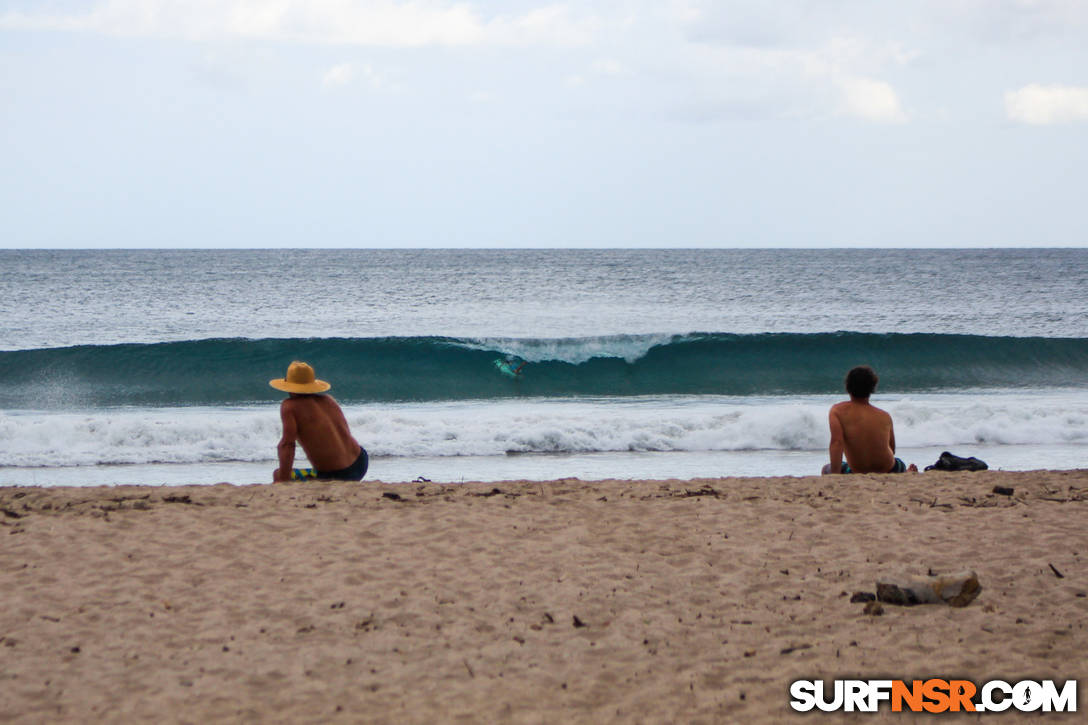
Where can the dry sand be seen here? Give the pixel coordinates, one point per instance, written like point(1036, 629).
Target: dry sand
point(565, 601)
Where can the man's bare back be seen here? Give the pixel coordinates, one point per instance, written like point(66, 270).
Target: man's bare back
point(315, 421)
point(319, 426)
point(861, 431)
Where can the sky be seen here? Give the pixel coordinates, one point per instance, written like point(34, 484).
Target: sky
point(668, 123)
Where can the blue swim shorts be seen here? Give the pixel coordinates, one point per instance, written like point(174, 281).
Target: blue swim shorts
point(897, 467)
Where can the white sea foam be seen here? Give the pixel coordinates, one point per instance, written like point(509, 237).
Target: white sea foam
point(574, 350)
point(207, 435)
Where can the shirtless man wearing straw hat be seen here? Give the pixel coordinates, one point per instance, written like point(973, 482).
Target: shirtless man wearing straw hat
point(317, 422)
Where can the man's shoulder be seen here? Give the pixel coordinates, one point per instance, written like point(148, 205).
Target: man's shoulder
point(881, 412)
point(319, 402)
point(841, 406)
point(855, 409)
point(296, 403)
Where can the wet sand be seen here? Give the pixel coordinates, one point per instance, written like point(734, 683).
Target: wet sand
point(526, 602)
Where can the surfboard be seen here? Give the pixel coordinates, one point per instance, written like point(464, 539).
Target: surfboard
point(506, 367)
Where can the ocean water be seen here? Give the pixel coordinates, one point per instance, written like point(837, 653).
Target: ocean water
point(152, 366)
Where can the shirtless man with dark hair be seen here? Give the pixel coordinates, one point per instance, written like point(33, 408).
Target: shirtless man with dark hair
point(862, 431)
point(316, 421)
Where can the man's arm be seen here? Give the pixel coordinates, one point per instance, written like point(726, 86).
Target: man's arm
point(891, 435)
point(286, 447)
point(838, 442)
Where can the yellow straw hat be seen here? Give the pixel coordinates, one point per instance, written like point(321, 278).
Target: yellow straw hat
point(300, 379)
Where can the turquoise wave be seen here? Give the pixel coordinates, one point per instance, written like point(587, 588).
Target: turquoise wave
point(236, 371)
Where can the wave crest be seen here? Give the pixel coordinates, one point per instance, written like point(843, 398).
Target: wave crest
point(236, 371)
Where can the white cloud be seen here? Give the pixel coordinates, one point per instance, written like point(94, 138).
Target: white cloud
point(800, 59)
point(385, 23)
point(608, 67)
point(549, 24)
point(1043, 105)
point(223, 71)
point(347, 73)
point(1012, 21)
point(338, 75)
point(742, 23)
point(872, 100)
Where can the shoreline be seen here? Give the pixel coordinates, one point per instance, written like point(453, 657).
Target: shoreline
point(543, 467)
point(523, 601)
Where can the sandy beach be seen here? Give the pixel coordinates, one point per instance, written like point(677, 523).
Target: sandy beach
point(524, 602)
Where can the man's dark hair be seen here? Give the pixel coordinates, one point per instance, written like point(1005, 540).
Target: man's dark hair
point(861, 381)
